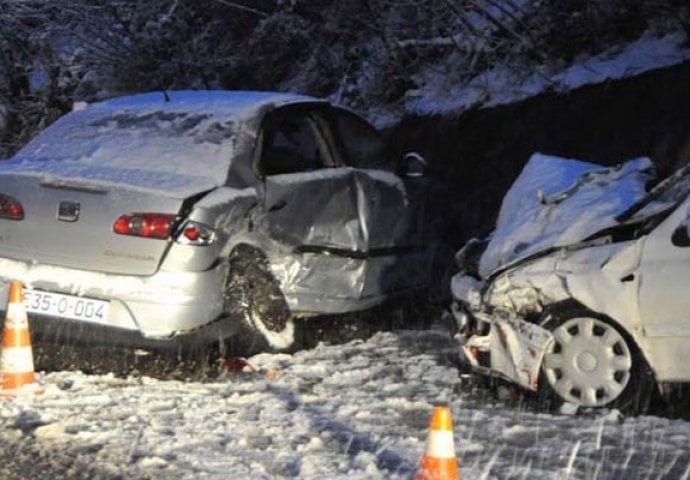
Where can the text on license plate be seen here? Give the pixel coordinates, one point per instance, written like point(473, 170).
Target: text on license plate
point(66, 306)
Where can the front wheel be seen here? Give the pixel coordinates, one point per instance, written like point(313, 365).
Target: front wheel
point(592, 363)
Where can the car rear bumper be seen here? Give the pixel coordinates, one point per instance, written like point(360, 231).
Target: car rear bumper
point(160, 306)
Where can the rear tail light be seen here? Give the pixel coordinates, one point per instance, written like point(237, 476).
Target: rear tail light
point(10, 208)
point(161, 226)
point(195, 233)
point(147, 225)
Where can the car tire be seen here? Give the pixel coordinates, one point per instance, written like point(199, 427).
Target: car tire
point(253, 296)
point(593, 363)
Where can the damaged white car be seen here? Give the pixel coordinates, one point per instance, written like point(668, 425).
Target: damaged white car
point(580, 292)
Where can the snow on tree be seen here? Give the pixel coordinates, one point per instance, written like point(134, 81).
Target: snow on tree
point(359, 52)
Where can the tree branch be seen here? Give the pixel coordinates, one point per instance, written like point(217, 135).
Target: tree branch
point(243, 8)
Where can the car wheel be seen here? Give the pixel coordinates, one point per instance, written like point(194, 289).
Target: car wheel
point(253, 296)
point(592, 363)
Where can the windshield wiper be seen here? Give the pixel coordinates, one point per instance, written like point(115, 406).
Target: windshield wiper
point(655, 193)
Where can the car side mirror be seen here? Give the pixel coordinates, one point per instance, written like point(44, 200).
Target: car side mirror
point(681, 236)
point(413, 165)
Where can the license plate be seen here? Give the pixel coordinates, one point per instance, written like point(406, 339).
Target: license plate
point(66, 306)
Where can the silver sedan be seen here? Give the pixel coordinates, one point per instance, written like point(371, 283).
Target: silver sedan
point(168, 215)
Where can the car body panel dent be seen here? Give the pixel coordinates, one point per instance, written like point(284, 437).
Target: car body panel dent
point(344, 208)
point(336, 284)
point(605, 281)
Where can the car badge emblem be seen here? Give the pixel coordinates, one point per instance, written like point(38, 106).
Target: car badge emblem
point(68, 211)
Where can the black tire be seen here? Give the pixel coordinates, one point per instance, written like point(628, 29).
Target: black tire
point(253, 297)
point(593, 363)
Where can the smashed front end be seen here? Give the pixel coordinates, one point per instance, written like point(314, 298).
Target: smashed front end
point(497, 328)
point(557, 240)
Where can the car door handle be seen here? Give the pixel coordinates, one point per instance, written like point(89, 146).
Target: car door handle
point(278, 206)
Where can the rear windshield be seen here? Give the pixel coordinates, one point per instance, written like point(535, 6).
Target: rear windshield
point(194, 144)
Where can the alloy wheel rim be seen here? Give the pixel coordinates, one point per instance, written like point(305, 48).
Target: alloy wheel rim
point(588, 363)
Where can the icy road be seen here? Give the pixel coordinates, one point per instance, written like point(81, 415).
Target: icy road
point(356, 411)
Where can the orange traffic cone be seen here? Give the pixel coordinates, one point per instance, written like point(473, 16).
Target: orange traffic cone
point(17, 359)
point(439, 462)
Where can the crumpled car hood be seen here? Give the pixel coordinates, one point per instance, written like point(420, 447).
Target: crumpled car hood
point(556, 202)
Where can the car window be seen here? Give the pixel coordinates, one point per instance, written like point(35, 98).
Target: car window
point(364, 147)
point(290, 144)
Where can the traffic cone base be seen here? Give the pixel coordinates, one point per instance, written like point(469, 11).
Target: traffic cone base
point(21, 390)
point(17, 374)
point(439, 461)
point(438, 469)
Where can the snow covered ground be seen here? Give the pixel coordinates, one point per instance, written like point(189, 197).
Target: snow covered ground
point(358, 410)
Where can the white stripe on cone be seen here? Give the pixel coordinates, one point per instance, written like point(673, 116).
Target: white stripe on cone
point(16, 316)
point(440, 444)
point(17, 360)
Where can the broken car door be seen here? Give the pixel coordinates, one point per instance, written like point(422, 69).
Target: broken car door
point(320, 205)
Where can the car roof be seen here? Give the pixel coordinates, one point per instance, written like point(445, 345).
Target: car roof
point(178, 143)
point(225, 103)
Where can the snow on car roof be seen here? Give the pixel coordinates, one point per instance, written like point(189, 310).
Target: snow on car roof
point(230, 103)
point(177, 146)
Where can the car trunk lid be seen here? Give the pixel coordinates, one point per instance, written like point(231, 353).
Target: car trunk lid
point(69, 223)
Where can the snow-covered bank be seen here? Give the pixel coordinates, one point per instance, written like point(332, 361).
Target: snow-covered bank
point(358, 410)
point(504, 84)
